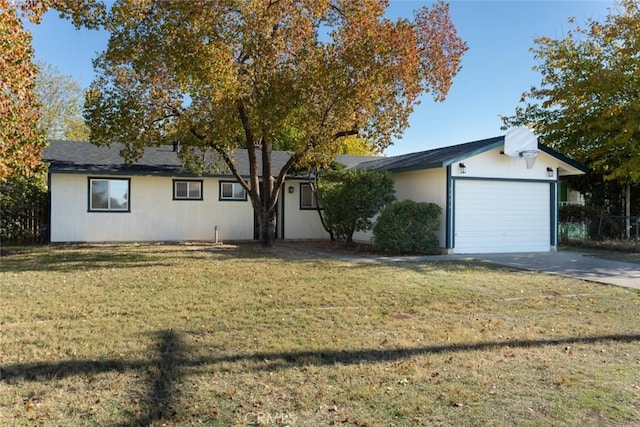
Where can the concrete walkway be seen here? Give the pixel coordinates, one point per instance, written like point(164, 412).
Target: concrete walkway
point(570, 264)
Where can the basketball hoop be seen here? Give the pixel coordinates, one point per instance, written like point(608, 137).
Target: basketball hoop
point(521, 143)
point(529, 156)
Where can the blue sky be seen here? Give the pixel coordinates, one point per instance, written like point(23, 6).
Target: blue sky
point(495, 70)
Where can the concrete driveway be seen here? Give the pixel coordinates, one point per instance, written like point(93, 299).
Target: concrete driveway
point(571, 264)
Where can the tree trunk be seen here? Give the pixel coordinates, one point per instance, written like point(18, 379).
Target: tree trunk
point(348, 238)
point(267, 231)
point(627, 211)
point(268, 198)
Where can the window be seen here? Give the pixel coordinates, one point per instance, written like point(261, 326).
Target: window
point(232, 191)
point(308, 198)
point(187, 190)
point(108, 195)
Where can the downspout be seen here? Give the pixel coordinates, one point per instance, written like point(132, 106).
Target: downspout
point(448, 212)
point(282, 218)
point(554, 213)
point(47, 235)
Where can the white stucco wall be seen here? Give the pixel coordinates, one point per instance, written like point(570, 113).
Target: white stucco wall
point(300, 223)
point(492, 164)
point(154, 215)
point(427, 185)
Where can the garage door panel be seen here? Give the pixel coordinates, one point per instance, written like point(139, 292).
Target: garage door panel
point(501, 216)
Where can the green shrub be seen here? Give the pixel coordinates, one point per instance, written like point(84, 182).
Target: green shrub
point(576, 213)
point(408, 227)
point(351, 198)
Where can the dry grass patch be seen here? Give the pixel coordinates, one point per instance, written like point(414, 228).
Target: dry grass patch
point(224, 335)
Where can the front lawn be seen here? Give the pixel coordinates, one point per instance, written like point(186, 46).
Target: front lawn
point(126, 335)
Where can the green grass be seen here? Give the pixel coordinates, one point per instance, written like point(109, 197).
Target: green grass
point(233, 335)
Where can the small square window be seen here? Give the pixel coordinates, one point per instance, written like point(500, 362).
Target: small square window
point(108, 195)
point(308, 199)
point(187, 190)
point(232, 191)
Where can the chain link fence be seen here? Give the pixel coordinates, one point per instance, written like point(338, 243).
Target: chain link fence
point(599, 230)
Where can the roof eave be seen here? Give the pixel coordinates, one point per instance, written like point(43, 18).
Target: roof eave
point(572, 163)
point(463, 156)
point(120, 172)
point(414, 168)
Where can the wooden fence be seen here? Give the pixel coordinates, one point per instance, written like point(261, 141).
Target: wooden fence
point(26, 222)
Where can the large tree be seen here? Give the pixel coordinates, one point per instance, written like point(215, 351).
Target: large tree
point(263, 75)
point(588, 102)
point(21, 139)
point(21, 142)
point(61, 100)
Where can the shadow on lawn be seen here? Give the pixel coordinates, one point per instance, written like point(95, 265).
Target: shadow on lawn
point(162, 375)
point(76, 260)
point(169, 368)
point(67, 258)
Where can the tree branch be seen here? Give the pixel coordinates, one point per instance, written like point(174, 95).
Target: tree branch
point(338, 10)
point(285, 169)
point(251, 153)
point(344, 133)
point(164, 117)
point(225, 157)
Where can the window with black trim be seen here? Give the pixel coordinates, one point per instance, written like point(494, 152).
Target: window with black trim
point(109, 195)
point(187, 189)
point(308, 199)
point(232, 191)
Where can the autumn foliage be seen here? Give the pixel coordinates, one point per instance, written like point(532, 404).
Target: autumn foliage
point(588, 101)
point(20, 140)
point(264, 75)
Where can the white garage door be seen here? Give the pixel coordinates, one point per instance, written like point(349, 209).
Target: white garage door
point(501, 216)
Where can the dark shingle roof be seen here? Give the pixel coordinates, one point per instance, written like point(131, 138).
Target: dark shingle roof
point(78, 157)
point(84, 157)
point(445, 156)
point(436, 158)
